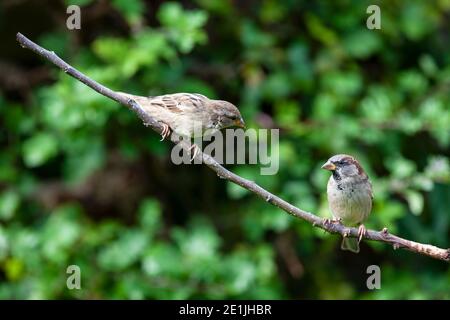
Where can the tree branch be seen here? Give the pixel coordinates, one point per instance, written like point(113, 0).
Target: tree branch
point(336, 228)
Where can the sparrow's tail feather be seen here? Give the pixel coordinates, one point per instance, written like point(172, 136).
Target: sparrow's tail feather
point(143, 101)
point(132, 96)
point(350, 244)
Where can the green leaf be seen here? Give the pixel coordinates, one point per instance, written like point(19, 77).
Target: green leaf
point(123, 252)
point(319, 30)
point(415, 201)
point(184, 26)
point(85, 156)
point(150, 214)
point(362, 43)
point(272, 11)
point(131, 9)
point(111, 49)
point(9, 202)
point(287, 112)
point(277, 85)
point(14, 269)
point(344, 83)
point(199, 242)
point(61, 232)
point(417, 20)
point(401, 167)
point(38, 149)
point(412, 81)
point(162, 259)
point(428, 65)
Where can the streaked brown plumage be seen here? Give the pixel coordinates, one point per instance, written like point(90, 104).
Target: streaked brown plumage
point(190, 114)
point(349, 194)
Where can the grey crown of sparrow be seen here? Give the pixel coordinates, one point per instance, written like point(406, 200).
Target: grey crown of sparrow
point(350, 196)
point(190, 114)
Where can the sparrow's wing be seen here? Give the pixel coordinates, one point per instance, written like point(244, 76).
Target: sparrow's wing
point(370, 189)
point(180, 102)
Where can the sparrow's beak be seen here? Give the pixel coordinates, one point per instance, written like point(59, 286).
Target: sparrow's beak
point(239, 123)
point(329, 166)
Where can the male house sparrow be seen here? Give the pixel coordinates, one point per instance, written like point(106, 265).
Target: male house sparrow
point(349, 194)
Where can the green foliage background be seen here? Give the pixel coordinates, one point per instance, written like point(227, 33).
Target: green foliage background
point(83, 182)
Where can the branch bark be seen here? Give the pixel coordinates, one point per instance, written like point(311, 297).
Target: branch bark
point(334, 228)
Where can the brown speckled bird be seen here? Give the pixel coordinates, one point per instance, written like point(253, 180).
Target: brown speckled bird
point(350, 195)
point(179, 112)
point(190, 115)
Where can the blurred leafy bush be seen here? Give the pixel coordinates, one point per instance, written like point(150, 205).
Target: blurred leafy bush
point(82, 182)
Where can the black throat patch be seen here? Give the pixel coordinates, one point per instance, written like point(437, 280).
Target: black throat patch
point(336, 176)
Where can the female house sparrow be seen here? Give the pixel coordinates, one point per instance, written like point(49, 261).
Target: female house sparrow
point(190, 115)
point(349, 194)
point(181, 112)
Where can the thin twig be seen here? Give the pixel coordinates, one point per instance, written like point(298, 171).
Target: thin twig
point(336, 228)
